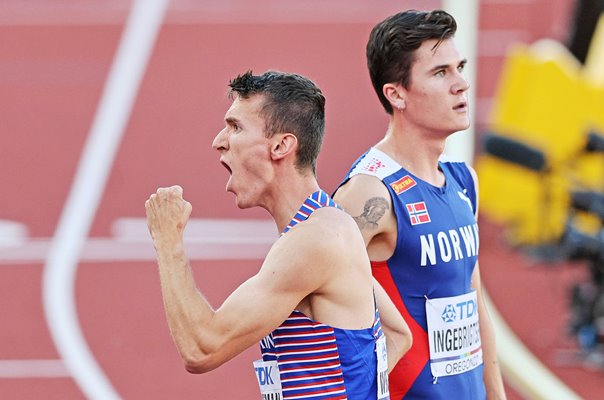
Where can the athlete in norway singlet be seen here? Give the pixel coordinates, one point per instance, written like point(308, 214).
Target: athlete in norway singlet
point(305, 359)
point(429, 279)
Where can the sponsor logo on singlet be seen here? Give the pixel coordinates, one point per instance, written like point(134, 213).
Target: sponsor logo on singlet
point(403, 184)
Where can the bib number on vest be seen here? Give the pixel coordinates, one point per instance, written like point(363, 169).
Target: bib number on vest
point(382, 369)
point(267, 375)
point(454, 334)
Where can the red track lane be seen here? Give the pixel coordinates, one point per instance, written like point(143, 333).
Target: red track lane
point(51, 78)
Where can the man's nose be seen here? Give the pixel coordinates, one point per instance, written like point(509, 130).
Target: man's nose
point(220, 141)
point(461, 85)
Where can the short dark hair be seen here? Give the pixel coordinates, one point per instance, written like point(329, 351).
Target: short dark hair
point(392, 42)
point(292, 103)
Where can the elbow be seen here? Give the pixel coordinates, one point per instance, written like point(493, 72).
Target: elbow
point(404, 341)
point(198, 361)
point(407, 341)
point(199, 354)
point(406, 337)
point(199, 364)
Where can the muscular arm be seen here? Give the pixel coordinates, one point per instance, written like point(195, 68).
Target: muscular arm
point(368, 201)
point(204, 337)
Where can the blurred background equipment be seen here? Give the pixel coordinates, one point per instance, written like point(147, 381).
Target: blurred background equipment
point(586, 17)
point(542, 168)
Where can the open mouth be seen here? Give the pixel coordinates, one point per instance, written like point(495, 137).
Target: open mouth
point(226, 166)
point(460, 107)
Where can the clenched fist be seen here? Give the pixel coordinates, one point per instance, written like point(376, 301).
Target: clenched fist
point(167, 215)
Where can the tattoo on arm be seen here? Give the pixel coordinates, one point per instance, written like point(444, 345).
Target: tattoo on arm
point(373, 211)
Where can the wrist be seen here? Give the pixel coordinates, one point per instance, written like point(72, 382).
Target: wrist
point(170, 250)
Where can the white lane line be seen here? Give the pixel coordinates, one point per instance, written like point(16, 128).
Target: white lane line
point(114, 109)
point(205, 239)
point(110, 250)
point(12, 233)
point(217, 229)
point(525, 372)
point(11, 369)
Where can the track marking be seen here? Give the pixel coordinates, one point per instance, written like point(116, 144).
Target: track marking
point(523, 370)
point(33, 369)
point(205, 239)
point(114, 109)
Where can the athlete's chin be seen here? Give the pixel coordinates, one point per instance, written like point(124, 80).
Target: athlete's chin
point(241, 202)
point(241, 205)
point(465, 121)
point(461, 125)
point(229, 186)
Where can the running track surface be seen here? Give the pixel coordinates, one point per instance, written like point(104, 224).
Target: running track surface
point(51, 78)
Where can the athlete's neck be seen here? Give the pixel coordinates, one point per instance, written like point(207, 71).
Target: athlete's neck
point(288, 197)
point(418, 154)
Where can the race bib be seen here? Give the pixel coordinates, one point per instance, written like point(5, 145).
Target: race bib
point(453, 334)
point(267, 374)
point(383, 391)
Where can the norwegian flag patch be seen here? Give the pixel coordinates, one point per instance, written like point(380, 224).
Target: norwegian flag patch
point(418, 213)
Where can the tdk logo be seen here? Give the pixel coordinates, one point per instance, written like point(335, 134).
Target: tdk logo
point(448, 314)
point(462, 310)
point(264, 375)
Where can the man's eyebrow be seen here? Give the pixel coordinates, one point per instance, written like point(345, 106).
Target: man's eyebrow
point(446, 66)
point(439, 67)
point(231, 120)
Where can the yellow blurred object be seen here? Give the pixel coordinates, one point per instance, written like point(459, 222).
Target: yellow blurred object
point(538, 100)
point(533, 204)
point(549, 102)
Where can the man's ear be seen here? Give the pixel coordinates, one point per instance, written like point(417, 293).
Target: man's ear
point(395, 94)
point(283, 144)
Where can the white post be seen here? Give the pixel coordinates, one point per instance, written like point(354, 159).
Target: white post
point(460, 145)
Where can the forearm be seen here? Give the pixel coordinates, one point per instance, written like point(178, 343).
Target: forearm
point(397, 332)
point(397, 346)
point(492, 373)
point(187, 312)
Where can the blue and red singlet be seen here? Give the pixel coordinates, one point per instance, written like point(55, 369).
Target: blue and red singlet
point(429, 279)
point(305, 359)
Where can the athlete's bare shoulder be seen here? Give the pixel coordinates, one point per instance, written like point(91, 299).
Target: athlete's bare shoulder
point(329, 224)
point(318, 245)
point(366, 198)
